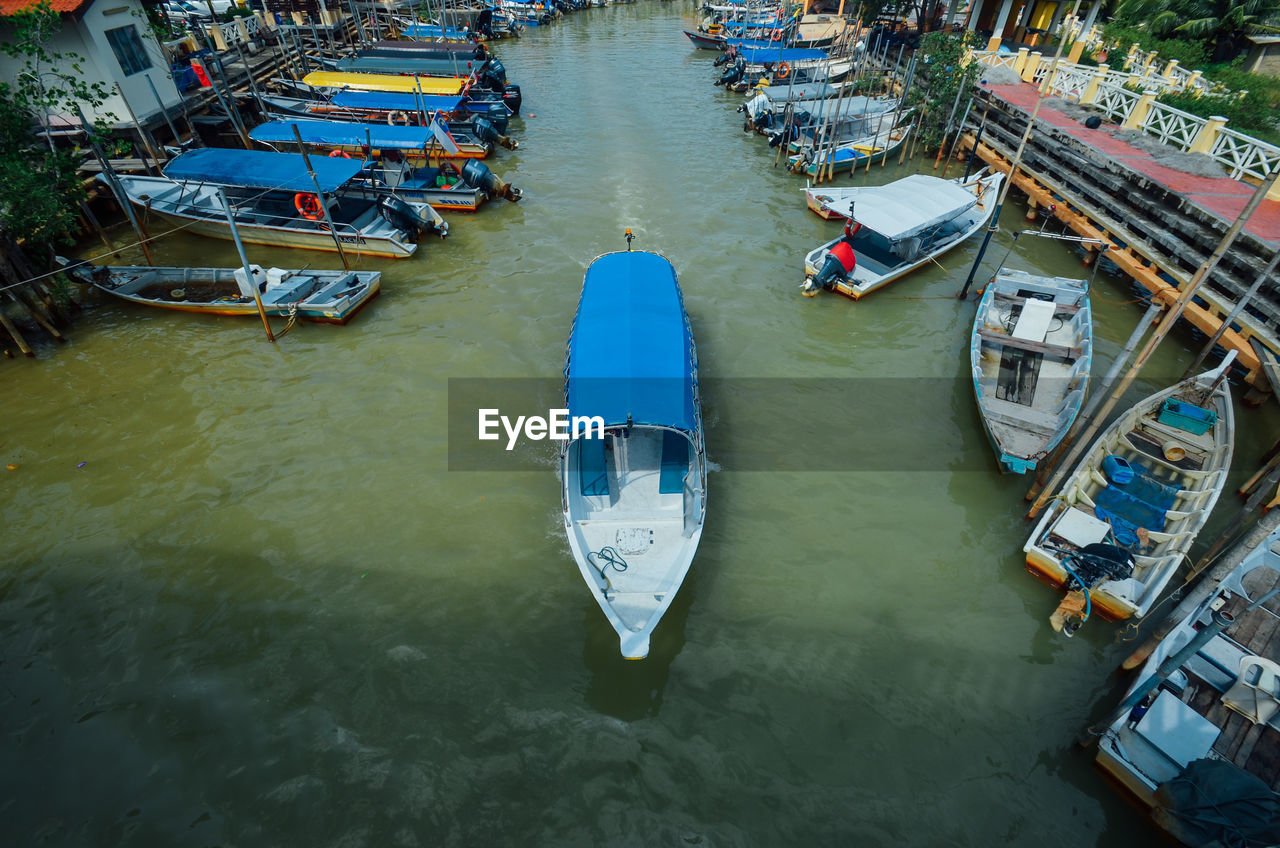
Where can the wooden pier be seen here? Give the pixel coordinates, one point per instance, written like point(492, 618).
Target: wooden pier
point(1157, 234)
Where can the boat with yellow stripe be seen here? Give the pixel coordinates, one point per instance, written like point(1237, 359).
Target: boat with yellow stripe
point(338, 80)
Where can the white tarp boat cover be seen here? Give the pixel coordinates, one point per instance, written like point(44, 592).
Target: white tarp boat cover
point(905, 207)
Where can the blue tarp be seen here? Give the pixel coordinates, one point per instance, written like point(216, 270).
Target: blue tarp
point(432, 31)
point(783, 54)
point(341, 133)
point(751, 43)
point(396, 100)
point(261, 169)
point(631, 353)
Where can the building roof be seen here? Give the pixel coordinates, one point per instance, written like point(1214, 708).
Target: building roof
point(69, 7)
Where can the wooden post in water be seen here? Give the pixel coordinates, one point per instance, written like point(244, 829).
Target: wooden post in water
point(1235, 313)
point(1166, 324)
point(324, 205)
point(114, 181)
point(147, 148)
point(177, 139)
point(253, 83)
point(954, 141)
point(244, 263)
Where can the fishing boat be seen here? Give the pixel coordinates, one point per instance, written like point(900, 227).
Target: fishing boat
point(1124, 520)
point(405, 161)
point(819, 30)
point(274, 199)
point(878, 145)
point(488, 73)
point(894, 229)
point(633, 487)
point(394, 109)
point(328, 297)
point(1029, 355)
point(420, 143)
point(776, 66)
point(706, 40)
point(433, 31)
point(330, 82)
point(398, 47)
point(1195, 738)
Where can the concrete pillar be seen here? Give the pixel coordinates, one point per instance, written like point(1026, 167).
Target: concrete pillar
point(1090, 92)
point(1077, 48)
point(1029, 69)
point(1026, 13)
point(1169, 69)
point(1092, 16)
point(1140, 110)
point(1002, 18)
point(215, 34)
point(244, 34)
point(1020, 61)
point(1191, 83)
point(1203, 142)
point(1057, 19)
point(975, 9)
point(1131, 56)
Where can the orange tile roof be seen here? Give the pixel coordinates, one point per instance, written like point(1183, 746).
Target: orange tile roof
point(8, 7)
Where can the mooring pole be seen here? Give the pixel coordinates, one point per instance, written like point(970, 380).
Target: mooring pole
point(1235, 313)
point(118, 190)
point(324, 205)
point(1166, 324)
point(244, 262)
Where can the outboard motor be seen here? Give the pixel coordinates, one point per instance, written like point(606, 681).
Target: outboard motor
point(839, 264)
point(477, 175)
point(498, 72)
point(486, 131)
point(733, 74)
point(763, 121)
point(511, 97)
point(402, 216)
point(484, 25)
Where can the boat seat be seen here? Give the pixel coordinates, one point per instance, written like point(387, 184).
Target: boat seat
point(1255, 700)
point(675, 463)
point(593, 474)
point(999, 338)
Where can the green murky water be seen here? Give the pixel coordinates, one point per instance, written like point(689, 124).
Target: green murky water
point(263, 612)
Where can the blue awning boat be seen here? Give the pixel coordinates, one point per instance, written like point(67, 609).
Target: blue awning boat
point(395, 100)
point(260, 169)
point(791, 55)
point(634, 488)
point(342, 134)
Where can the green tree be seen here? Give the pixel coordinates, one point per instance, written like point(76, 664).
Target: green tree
point(942, 75)
point(1221, 24)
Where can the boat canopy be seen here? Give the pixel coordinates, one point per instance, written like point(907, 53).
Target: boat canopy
point(398, 101)
point(631, 355)
point(384, 82)
point(905, 207)
point(450, 65)
point(432, 31)
point(783, 54)
point(750, 43)
point(343, 134)
point(261, 169)
point(799, 91)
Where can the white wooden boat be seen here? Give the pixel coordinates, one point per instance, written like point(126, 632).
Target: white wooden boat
point(1030, 353)
point(903, 225)
point(1195, 738)
point(272, 196)
point(634, 501)
point(330, 297)
point(1145, 486)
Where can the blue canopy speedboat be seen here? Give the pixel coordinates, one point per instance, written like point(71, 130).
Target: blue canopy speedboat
point(277, 198)
point(396, 159)
point(634, 482)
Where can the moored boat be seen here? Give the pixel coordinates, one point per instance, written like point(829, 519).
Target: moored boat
point(329, 297)
point(634, 501)
point(405, 161)
point(1029, 356)
point(894, 229)
point(273, 197)
point(1195, 739)
point(1120, 526)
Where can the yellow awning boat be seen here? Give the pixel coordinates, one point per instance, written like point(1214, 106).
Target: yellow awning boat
point(385, 82)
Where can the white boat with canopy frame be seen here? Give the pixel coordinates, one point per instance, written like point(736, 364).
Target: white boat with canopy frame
point(894, 229)
point(633, 488)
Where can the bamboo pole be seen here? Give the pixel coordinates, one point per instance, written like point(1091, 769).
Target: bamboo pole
point(1166, 324)
point(15, 335)
point(1235, 313)
point(955, 141)
point(324, 205)
point(114, 181)
point(244, 262)
point(147, 149)
point(177, 139)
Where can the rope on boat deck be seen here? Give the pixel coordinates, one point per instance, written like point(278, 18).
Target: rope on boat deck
point(611, 559)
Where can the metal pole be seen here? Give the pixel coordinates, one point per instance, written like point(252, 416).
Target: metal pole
point(121, 197)
point(147, 149)
point(324, 206)
point(1235, 313)
point(955, 141)
point(1174, 313)
point(177, 139)
point(253, 84)
point(244, 262)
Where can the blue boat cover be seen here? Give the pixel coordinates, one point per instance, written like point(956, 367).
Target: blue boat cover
point(783, 54)
point(631, 354)
point(396, 100)
point(751, 43)
point(432, 31)
point(341, 133)
point(741, 25)
point(261, 169)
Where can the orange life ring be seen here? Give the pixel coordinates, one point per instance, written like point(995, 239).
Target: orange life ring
point(308, 206)
point(777, 35)
point(784, 71)
point(339, 152)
